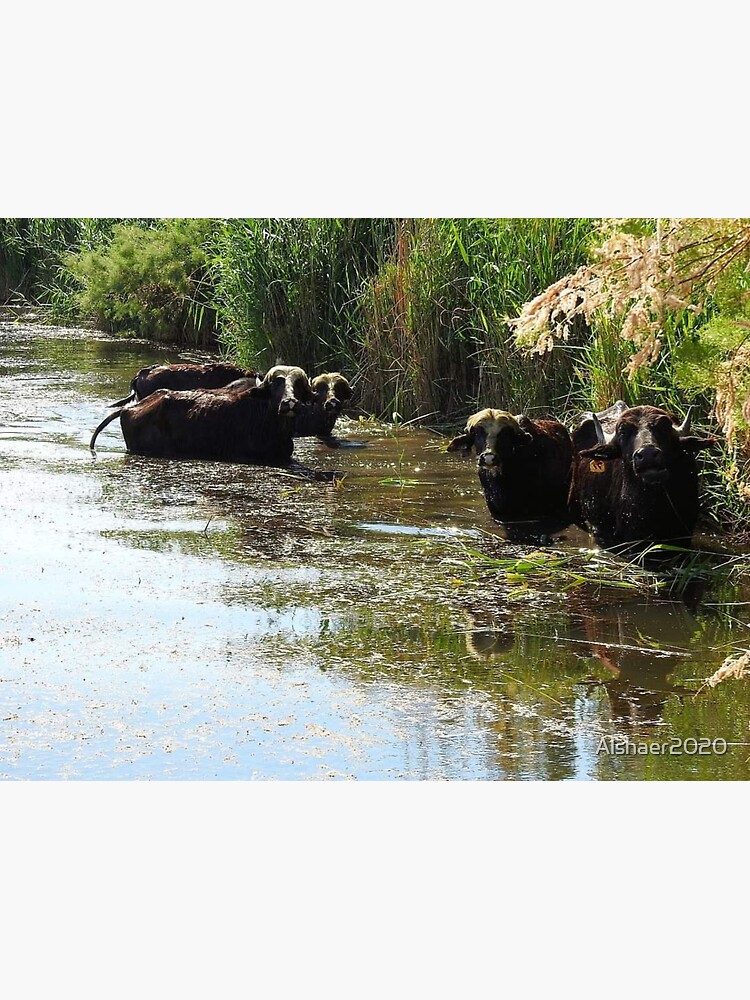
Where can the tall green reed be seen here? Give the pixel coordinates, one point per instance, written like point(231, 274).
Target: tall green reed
point(287, 289)
point(32, 252)
point(433, 332)
point(416, 307)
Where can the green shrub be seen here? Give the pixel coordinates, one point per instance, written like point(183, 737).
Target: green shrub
point(149, 281)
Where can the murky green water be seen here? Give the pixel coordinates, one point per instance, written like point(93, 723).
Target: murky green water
point(202, 620)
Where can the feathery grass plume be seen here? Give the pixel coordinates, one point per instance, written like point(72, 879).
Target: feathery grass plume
point(640, 272)
point(667, 304)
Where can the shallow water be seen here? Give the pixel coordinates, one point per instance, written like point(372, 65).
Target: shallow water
point(198, 620)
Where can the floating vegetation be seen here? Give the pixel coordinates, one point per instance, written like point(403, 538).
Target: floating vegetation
point(661, 569)
point(401, 483)
point(561, 570)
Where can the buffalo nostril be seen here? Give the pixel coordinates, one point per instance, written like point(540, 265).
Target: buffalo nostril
point(648, 456)
point(649, 465)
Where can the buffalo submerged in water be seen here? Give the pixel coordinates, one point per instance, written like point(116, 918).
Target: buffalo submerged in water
point(635, 477)
point(331, 393)
point(254, 425)
point(523, 464)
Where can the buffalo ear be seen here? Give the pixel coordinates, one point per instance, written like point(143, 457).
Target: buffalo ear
point(526, 426)
point(602, 452)
point(693, 444)
point(461, 443)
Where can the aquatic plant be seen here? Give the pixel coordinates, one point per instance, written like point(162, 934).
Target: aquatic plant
point(287, 289)
point(433, 330)
point(417, 307)
point(32, 252)
point(660, 569)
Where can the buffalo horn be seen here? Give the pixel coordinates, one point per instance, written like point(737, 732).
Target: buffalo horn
point(600, 438)
point(684, 427)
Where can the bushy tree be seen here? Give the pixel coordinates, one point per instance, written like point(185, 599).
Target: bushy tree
point(151, 281)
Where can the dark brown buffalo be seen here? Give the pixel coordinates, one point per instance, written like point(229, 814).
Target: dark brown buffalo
point(524, 465)
point(331, 393)
point(183, 377)
point(251, 425)
point(635, 478)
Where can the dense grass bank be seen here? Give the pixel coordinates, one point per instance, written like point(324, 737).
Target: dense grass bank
point(139, 277)
point(417, 307)
point(33, 252)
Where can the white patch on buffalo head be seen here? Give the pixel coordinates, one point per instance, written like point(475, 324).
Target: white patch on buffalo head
point(486, 427)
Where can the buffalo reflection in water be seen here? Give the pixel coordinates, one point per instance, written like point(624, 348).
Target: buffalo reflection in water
point(641, 681)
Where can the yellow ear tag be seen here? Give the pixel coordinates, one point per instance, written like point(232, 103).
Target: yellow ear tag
point(596, 466)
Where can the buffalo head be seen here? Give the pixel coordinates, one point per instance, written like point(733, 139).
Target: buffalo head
point(288, 386)
point(495, 435)
point(332, 391)
point(648, 441)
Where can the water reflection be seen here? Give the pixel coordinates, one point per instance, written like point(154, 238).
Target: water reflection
point(485, 639)
point(546, 531)
point(205, 619)
point(641, 667)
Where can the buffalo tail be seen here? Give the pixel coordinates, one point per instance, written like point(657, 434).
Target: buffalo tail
point(103, 424)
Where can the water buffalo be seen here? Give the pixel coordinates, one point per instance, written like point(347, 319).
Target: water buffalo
point(524, 465)
point(636, 482)
point(183, 377)
point(251, 425)
point(331, 392)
